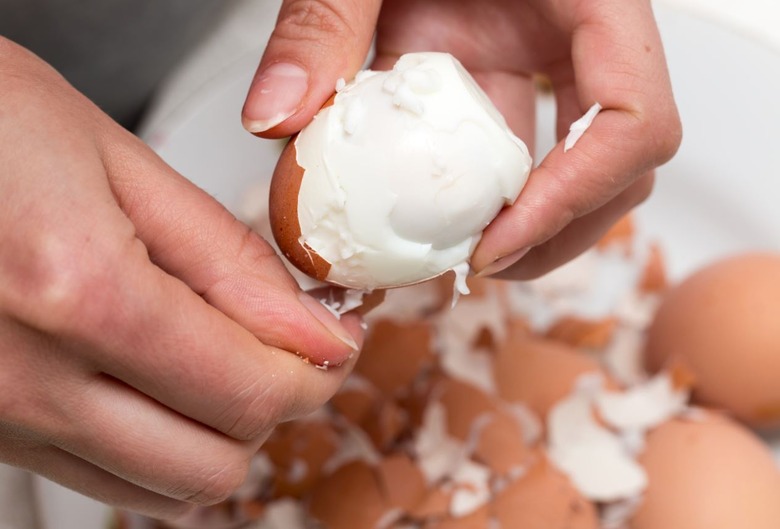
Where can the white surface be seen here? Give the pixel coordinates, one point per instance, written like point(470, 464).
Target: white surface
point(719, 195)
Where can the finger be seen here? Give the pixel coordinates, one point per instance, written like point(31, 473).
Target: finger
point(171, 345)
point(103, 307)
point(76, 474)
point(112, 426)
point(638, 129)
point(195, 239)
point(132, 436)
point(515, 97)
point(315, 43)
point(578, 236)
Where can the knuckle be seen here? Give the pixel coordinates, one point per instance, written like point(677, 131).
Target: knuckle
point(72, 298)
point(665, 132)
point(668, 136)
point(643, 188)
point(217, 484)
point(312, 19)
point(254, 410)
point(63, 286)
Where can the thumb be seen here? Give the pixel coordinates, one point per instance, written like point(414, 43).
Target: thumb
point(315, 42)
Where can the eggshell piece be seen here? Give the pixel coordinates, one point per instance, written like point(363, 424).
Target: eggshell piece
point(402, 482)
point(283, 214)
point(709, 473)
point(479, 518)
point(350, 498)
point(581, 332)
point(385, 424)
point(394, 353)
point(435, 504)
point(620, 234)
point(354, 404)
point(654, 278)
point(299, 451)
point(538, 372)
point(543, 498)
point(501, 445)
point(722, 324)
point(480, 419)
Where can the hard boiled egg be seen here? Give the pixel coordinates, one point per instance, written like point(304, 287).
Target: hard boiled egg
point(394, 181)
point(708, 473)
point(723, 325)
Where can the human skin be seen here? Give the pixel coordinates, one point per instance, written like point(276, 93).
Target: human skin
point(605, 51)
point(147, 337)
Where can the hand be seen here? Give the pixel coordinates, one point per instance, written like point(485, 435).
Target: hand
point(605, 51)
point(144, 332)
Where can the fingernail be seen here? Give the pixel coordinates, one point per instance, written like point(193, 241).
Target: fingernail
point(503, 263)
point(274, 96)
point(328, 319)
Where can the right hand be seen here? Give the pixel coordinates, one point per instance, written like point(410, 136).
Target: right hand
point(144, 331)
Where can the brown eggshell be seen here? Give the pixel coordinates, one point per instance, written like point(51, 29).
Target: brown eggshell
point(350, 498)
point(478, 519)
point(463, 404)
point(385, 424)
point(581, 332)
point(435, 504)
point(722, 323)
point(543, 498)
point(394, 353)
point(354, 404)
point(402, 482)
point(474, 415)
point(654, 277)
point(312, 442)
point(283, 212)
point(539, 372)
point(621, 234)
point(708, 473)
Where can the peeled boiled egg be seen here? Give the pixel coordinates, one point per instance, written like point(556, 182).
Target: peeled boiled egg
point(722, 324)
point(395, 179)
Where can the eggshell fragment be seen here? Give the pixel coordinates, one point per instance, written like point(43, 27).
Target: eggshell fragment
point(582, 332)
point(538, 372)
point(479, 518)
point(283, 214)
point(299, 451)
point(708, 474)
point(350, 498)
point(644, 406)
point(722, 324)
point(621, 234)
point(407, 344)
point(543, 498)
point(402, 482)
point(354, 404)
point(385, 424)
point(654, 278)
point(596, 459)
point(480, 420)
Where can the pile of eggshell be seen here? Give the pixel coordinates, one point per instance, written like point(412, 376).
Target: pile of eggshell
point(595, 397)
